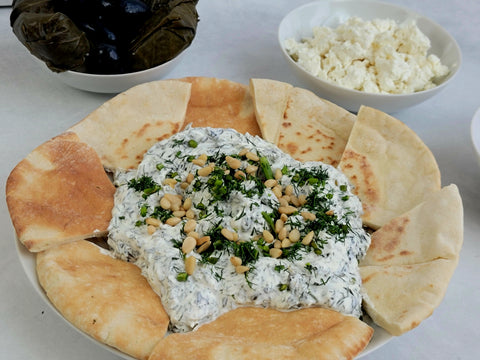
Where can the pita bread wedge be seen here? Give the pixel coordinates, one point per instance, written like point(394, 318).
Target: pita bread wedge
point(432, 230)
point(221, 103)
point(410, 261)
point(314, 129)
point(59, 193)
point(126, 126)
point(257, 333)
point(104, 297)
point(399, 297)
point(270, 99)
point(389, 165)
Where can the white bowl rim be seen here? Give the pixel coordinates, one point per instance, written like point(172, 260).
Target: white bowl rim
point(332, 85)
point(475, 131)
point(127, 74)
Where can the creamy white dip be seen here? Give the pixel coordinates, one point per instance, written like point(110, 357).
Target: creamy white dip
point(323, 272)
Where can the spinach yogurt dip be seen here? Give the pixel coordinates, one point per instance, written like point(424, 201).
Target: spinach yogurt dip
point(216, 220)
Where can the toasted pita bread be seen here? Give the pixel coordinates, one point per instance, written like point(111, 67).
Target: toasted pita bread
point(314, 129)
point(410, 262)
point(221, 103)
point(399, 297)
point(126, 126)
point(257, 333)
point(104, 297)
point(431, 230)
point(270, 99)
point(59, 193)
point(389, 165)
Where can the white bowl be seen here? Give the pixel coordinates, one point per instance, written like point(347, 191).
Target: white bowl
point(298, 24)
point(116, 83)
point(475, 130)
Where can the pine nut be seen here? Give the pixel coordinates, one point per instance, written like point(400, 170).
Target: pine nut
point(173, 221)
point(251, 169)
point(204, 246)
point(227, 234)
point(205, 171)
point(165, 204)
point(329, 212)
point(190, 265)
point(187, 204)
point(308, 215)
point(239, 174)
point(277, 244)
point(190, 178)
point(235, 236)
point(190, 214)
point(184, 185)
point(282, 234)
point(201, 160)
point(278, 174)
point(279, 224)
point(294, 200)
point(252, 156)
point(267, 236)
point(194, 235)
point(243, 152)
point(308, 238)
point(190, 226)
point(270, 183)
point(151, 229)
point(288, 190)
point(188, 244)
point(284, 218)
point(241, 269)
point(283, 201)
point(277, 191)
point(294, 235)
point(232, 162)
point(202, 240)
point(275, 253)
point(179, 213)
point(302, 198)
point(236, 261)
point(288, 210)
point(174, 199)
point(170, 182)
point(153, 221)
point(286, 243)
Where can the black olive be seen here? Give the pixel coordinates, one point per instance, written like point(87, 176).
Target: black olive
point(97, 32)
point(124, 16)
point(105, 59)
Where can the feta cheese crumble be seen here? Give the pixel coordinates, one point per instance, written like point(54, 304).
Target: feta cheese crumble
point(377, 56)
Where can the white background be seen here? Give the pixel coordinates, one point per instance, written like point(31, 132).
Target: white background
point(236, 39)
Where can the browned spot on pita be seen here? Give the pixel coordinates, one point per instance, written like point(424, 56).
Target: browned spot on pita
point(307, 150)
point(357, 164)
point(292, 148)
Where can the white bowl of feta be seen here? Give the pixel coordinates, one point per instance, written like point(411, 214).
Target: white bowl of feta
point(364, 52)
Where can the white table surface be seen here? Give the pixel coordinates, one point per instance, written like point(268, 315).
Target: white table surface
point(236, 39)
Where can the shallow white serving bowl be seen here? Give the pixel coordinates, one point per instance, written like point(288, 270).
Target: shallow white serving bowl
point(115, 83)
point(475, 130)
point(298, 24)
